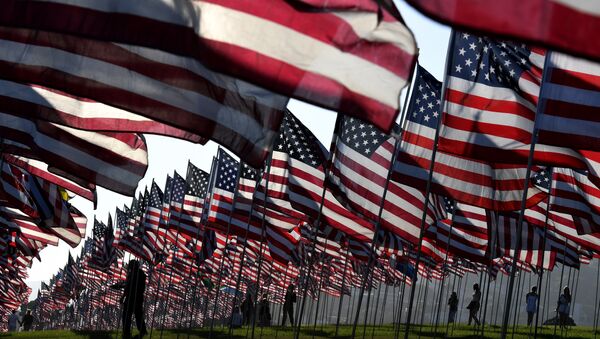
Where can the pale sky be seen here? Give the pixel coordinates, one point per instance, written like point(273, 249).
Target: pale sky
point(166, 155)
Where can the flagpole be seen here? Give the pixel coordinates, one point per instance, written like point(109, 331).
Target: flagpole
point(437, 315)
point(401, 305)
point(374, 322)
point(262, 237)
point(196, 238)
point(317, 224)
point(377, 229)
point(534, 137)
point(596, 302)
point(492, 257)
point(428, 188)
point(366, 319)
point(220, 275)
point(385, 294)
point(541, 275)
point(337, 323)
point(320, 286)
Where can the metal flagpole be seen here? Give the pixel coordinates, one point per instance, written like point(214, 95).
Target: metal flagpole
point(220, 275)
point(375, 234)
point(491, 263)
point(385, 294)
point(596, 302)
point(374, 321)
point(317, 224)
point(401, 305)
point(366, 318)
point(541, 275)
point(562, 272)
point(262, 238)
point(337, 323)
point(520, 283)
point(428, 191)
point(437, 314)
point(534, 137)
point(320, 287)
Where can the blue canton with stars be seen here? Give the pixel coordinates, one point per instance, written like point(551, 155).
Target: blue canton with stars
point(168, 189)
point(156, 196)
point(178, 188)
point(196, 181)
point(542, 179)
point(448, 205)
point(227, 171)
point(487, 61)
point(299, 142)
point(424, 106)
point(122, 218)
point(249, 172)
point(362, 137)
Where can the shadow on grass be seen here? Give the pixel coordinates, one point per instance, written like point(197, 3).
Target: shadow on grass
point(93, 334)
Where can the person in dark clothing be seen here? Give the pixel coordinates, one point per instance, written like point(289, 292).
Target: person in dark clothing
point(474, 305)
point(133, 298)
point(453, 303)
point(248, 308)
point(264, 312)
point(27, 321)
point(288, 305)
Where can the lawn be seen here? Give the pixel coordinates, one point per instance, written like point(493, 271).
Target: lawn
point(386, 331)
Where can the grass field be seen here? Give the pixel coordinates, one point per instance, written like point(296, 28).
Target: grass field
point(386, 331)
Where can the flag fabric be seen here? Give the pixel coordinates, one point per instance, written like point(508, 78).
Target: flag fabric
point(561, 24)
point(166, 88)
point(40, 169)
point(298, 166)
point(362, 160)
point(151, 221)
point(532, 247)
point(491, 99)
point(257, 42)
point(116, 161)
point(489, 185)
point(574, 194)
point(569, 103)
point(187, 208)
point(81, 113)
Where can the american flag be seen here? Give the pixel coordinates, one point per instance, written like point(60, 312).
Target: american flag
point(575, 194)
point(186, 95)
point(569, 105)
point(70, 277)
point(40, 169)
point(488, 185)
point(282, 243)
point(378, 39)
point(298, 166)
point(221, 207)
point(565, 25)
point(188, 203)
point(361, 162)
point(77, 154)
point(533, 247)
point(150, 224)
point(466, 234)
point(491, 100)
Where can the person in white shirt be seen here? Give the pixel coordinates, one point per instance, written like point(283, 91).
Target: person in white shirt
point(13, 321)
point(531, 299)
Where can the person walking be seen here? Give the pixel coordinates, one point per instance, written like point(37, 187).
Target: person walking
point(27, 321)
point(453, 304)
point(133, 298)
point(531, 300)
point(248, 309)
point(264, 311)
point(13, 321)
point(474, 305)
point(288, 305)
point(564, 307)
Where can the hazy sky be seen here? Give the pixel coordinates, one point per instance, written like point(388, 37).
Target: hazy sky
point(166, 155)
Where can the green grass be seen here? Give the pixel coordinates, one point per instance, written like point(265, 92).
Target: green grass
point(386, 331)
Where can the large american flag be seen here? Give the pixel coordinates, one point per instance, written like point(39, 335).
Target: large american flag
point(488, 185)
point(563, 24)
point(491, 100)
point(569, 105)
point(298, 166)
point(174, 91)
point(257, 44)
